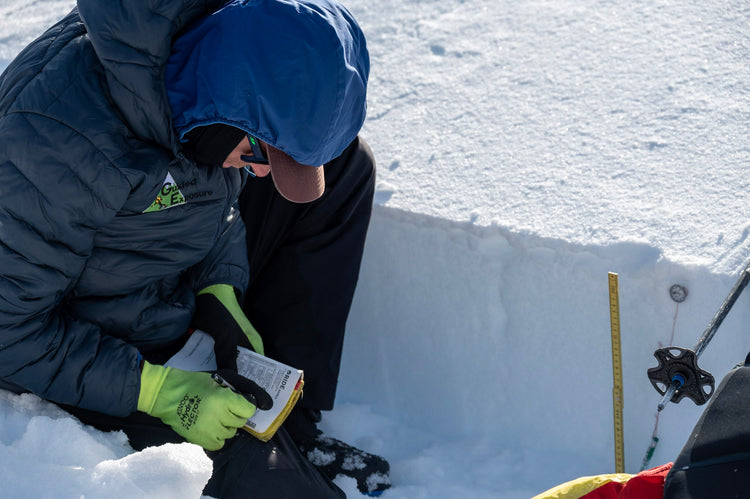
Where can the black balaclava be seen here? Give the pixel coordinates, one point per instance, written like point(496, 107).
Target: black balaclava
point(211, 144)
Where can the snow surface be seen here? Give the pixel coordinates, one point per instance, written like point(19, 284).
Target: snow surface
point(526, 148)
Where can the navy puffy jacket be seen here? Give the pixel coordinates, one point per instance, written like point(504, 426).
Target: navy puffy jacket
point(106, 231)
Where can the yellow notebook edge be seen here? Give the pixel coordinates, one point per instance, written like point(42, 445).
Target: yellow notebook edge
point(271, 430)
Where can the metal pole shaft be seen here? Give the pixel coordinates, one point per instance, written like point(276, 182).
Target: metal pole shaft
point(667, 396)
point(713, 326)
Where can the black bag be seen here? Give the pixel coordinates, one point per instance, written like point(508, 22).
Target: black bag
point(715, 461)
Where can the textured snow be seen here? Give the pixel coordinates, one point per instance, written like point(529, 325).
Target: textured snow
point(525, 149)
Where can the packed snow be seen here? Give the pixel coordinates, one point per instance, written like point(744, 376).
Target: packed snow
point(526, 149)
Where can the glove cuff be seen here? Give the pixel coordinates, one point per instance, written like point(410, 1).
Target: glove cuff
point(223, 292)
point(152, 379)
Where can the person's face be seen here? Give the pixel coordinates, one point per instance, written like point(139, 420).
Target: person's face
point(243, 149)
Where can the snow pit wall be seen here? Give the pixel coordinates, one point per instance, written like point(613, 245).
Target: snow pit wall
point(482, 332)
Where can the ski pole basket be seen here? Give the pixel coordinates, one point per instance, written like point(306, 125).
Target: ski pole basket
point(678, 375)
point(680, 366)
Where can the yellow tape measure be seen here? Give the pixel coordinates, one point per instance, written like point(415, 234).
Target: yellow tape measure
point(617, 397)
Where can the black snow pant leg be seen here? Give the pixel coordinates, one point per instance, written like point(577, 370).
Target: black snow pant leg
point(284, 472)
point(244, 468)
point(304, 265)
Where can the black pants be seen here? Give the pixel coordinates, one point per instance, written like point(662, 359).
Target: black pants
point(304, 266)
point(244, 468)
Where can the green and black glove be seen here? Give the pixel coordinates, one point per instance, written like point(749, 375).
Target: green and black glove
point(198, 405)
point(218, 313)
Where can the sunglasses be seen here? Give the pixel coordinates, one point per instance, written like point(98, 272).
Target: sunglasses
point(257, 157)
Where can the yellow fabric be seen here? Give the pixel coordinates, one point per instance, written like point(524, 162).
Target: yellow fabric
point(581, 486)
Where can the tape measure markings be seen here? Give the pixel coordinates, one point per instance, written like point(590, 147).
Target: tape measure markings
point(617, 391)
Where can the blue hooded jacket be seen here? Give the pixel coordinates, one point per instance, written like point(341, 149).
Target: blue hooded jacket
point(107, 230)
point(292, 73)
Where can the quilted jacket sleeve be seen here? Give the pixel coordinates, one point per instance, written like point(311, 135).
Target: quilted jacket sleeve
point(49, 212)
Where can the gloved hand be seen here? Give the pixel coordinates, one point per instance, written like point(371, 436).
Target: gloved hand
point(218, 313)
point(198, 406)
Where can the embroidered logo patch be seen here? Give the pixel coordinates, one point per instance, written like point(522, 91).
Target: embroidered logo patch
point(169, 196)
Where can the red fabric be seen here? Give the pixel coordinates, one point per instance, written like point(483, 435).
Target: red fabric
point(610, 490)
point(648, 484)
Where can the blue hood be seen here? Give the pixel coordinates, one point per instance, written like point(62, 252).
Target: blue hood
point(291, 72)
